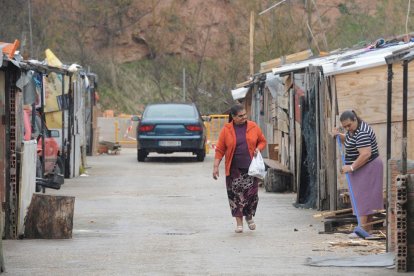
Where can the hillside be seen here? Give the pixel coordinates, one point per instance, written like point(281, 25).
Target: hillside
point(140, 47)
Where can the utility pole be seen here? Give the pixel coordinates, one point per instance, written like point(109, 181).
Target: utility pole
point(30, 28)
point(251, 43)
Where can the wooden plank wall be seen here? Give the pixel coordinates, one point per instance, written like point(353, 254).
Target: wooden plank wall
point(277, 119)
point(366, 92)
point(327, 145)
point(329, 111)
point(367, 95)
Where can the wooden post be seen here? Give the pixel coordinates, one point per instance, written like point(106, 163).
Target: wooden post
point(2, 266)
point(251, 43)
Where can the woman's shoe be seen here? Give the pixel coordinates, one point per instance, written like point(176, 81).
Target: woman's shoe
point(251, 224)
point(239, 229)
point(353, 236)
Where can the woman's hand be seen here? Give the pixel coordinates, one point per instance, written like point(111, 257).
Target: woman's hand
point(256, 151)
point(346, 169)
point(215, 172)
point(335, 131)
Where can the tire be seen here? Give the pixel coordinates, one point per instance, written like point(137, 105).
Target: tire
point(142, 154)
point(201, 154)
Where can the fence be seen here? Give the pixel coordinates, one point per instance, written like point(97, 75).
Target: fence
point(122, 129)
point(214, 126)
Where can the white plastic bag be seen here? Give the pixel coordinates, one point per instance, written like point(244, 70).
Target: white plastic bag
point(257, 167)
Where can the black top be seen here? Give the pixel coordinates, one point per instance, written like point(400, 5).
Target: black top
point(363, 137)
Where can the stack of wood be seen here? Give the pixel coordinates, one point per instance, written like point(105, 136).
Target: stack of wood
point(109, 147)
point(343, 221)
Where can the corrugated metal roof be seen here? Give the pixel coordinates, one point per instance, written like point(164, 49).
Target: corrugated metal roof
point(366, 59)
point(298, 66)
point(347, 61)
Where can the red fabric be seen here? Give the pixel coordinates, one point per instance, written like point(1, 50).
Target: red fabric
point(226, 143)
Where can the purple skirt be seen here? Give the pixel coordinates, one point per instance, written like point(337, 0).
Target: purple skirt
point(367, 187)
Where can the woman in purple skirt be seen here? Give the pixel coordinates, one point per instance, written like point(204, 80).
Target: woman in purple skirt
point(363, 164)
point(238, 142)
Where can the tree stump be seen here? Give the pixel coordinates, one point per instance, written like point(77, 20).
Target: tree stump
point(50, 217)
point(277, 181)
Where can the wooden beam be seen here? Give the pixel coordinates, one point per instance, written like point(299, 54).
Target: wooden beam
point(332, 213)
point(267, 66)
point(243, 84)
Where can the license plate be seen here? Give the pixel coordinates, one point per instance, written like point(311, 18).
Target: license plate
point(170, 143)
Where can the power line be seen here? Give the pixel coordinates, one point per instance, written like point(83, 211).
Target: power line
point(274, 6)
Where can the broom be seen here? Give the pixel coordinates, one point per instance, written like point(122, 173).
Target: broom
point(358, 230)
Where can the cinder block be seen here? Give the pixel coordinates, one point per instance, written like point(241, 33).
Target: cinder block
point(401, 251)
point(394, 210)
point(401, 212)
point(401, 237)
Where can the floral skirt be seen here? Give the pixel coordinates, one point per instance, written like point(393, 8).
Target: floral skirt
point(242, 193)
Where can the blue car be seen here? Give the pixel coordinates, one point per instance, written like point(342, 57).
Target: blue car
point(171, 127)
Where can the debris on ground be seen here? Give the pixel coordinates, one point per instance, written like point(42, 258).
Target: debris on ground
point(109, 147)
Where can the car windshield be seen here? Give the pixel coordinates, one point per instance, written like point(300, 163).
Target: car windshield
point(170, 111)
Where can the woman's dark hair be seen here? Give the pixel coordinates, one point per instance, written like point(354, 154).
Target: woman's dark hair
point(234, 110)
point(350, 115)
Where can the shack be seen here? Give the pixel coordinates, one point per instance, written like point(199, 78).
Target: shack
point(35, 94)
point(310, 95)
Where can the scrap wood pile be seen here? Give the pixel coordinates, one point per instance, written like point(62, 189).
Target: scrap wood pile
point(109, 147)
point(343, 221)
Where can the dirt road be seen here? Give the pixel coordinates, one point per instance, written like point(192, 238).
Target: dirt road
point(167, 216)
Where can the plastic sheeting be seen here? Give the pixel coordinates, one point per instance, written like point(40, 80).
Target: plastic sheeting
point(275, 85)
point(27, 180)
point(379, 260)
point(27, 84)
point(239, 93)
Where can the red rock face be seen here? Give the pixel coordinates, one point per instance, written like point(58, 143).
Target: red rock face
point(136, 29)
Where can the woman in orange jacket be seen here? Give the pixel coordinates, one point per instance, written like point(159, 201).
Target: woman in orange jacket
point(239, 141)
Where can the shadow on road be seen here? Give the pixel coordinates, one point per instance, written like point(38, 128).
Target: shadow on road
point(171, 159)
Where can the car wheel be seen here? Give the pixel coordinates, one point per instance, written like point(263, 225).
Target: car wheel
point(201, 154)
point(142, 154)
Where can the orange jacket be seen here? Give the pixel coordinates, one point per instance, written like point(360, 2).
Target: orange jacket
point(226, 143)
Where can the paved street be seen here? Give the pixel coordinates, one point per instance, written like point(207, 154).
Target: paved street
point(167, 216)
